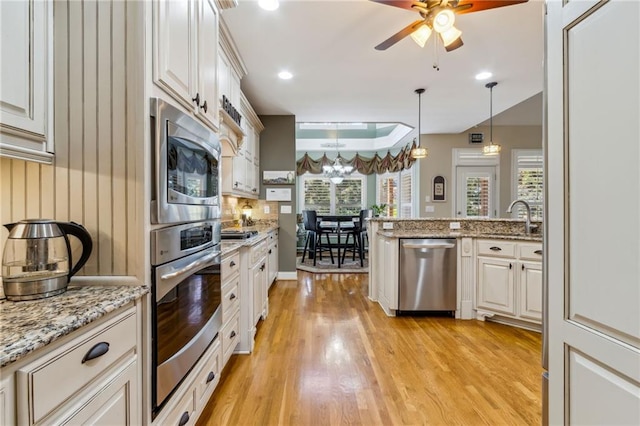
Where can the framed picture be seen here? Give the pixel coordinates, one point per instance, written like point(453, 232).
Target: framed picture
point(287, 177)
point(439, 188)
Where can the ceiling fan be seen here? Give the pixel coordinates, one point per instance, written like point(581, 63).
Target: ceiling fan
point(438, 16)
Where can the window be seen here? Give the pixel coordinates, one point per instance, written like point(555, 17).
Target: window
point(527, 183)
point(396, 191)
point(319, 194)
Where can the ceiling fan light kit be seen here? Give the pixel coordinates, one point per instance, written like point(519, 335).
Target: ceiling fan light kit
point(492, 148)
point(419, 151)
point(438, 16)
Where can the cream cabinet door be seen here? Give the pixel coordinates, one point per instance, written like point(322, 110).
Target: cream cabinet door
point(592, 226)
point(26, 78)
point(174, 54)
point(496, 285)
point(530, 286)
point(208, 18)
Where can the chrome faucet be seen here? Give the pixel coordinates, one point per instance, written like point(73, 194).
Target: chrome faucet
point(528, 227)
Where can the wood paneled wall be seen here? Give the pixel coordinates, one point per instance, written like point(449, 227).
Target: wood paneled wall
point(99, 143)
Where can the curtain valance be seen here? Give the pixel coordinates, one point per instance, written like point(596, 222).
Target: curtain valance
point(364, 165)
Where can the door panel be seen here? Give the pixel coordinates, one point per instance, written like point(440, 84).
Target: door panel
point(476, 192)
point(592, 226)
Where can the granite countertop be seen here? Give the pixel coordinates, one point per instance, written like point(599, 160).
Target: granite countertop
point(29, 325)
point(228, 246)
point(428, 234)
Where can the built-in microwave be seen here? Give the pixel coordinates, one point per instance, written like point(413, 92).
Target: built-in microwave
point(185, 168)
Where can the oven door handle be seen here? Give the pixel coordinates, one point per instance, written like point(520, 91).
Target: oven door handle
point(190, 267)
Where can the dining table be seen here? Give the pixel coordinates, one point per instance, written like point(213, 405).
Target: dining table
point(335, 225)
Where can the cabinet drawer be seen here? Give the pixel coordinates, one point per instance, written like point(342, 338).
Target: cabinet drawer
point(182, 413)
point(531, 252)
point(210, 375)
point(50, 381)
point(230, 299)
point(258, 251)
point(230, 265)
point(230, 337)
point(496, 248)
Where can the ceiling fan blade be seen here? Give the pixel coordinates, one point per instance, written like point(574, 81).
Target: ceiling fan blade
point(403, 4)
point(400, 35)
point(468, 6)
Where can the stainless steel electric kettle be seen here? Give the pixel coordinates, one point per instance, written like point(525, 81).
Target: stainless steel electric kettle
point(37, 258)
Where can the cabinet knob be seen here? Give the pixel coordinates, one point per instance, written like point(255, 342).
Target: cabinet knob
point(211, 376)
point(96, 351)
point(233, 296)
point(232, 264)
point(523, 267)
point(510, 265)
point(184, 419)
point(494, 248)
point(269, 251)
point(232, 335)
point(196, 99)
point(204, 107)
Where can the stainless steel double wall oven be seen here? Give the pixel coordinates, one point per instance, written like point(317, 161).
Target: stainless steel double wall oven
point(185, 248)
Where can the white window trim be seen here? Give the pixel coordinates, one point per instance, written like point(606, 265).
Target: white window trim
point(472, 157)
point(515, 154)
point(302, 178)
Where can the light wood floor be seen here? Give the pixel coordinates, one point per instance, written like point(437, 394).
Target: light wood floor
point(326, 355)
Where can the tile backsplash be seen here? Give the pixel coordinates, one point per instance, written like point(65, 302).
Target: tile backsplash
point(232, 209)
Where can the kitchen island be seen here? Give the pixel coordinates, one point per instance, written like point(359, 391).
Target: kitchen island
point(499, 266)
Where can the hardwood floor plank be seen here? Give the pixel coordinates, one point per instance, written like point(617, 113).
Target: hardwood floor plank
point(327, 355)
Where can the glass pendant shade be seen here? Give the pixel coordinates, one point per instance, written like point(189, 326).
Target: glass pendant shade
point(421, 35)
point(419, 152)
point(451, 39)
point(443, 21)
point(491, 149)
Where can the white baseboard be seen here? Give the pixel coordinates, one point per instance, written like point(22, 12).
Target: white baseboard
point(287, 275)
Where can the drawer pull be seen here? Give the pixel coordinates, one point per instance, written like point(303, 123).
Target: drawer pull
point(232, 335)
point(211, 376)
point(494, 248)
point(184, 419)
point(269, 251)
point(96, 351)
point(511, 266)
point(538, 252)
point(233, 296)
point(232, 264)
point(523, 267)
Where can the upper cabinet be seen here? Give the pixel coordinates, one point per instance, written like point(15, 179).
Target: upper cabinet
point(230, 73)
point(26, 78)
point(186, 55)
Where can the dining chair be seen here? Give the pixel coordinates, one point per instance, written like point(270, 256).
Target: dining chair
point(313, 242)
point(358, 233)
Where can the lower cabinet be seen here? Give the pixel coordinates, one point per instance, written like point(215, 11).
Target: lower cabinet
point(387, 265)
point(93, 378)
point(253, 287)
point(272, 257)
point(509, 280)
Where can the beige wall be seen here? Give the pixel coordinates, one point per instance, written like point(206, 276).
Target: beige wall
point(439, 162)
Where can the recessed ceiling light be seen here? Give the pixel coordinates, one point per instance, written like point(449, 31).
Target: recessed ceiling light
point(285, 75)
point(483, 75)
point(269, 4)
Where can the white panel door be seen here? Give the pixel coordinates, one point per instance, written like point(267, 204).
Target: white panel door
point(476, 191)
point(592, 235)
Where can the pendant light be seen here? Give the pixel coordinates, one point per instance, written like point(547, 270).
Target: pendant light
point(492, 148)
point(337, 171)
point(418, 151)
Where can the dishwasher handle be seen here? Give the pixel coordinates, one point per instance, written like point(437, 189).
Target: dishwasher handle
point(428, 246)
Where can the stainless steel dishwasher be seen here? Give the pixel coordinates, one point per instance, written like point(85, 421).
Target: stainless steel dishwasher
point(428, 272)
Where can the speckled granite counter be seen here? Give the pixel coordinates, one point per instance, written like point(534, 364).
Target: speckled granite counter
point(27, 326)
point(231, 245)
point(508, 229)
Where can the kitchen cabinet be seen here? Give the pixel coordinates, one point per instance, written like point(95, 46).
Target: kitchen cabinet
point(230, 269)
point(26, 78)
point(185, 55)
point(253, 288)
point(272, 257)
point(241, 172)
point(509, 280)
point(105, 384)
point(386, 263)
point(230, 73)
